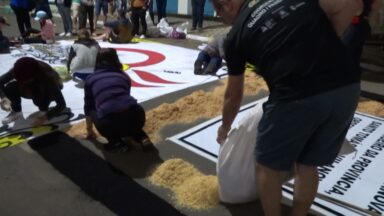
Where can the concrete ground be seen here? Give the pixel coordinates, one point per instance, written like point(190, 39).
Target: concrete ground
point(59, 175)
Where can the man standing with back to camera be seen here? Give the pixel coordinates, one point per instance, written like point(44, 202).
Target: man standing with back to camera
point(313, 89)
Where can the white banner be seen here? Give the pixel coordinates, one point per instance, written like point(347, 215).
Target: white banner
point(355, 181)
point(155, 69)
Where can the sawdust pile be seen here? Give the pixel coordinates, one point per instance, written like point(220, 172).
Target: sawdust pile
point(199, 104)
point(371, 107)
point(191, 188)
point(79, 129)
point(172, 173)
point(199, 192)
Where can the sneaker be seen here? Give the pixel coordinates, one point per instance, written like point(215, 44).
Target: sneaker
point(62, 34)
point(69, 34)
point(148, 146)
point(118, 147)
point(11, 117)
point(142, 36)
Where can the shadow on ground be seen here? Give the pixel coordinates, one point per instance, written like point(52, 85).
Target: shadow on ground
point(93, 175)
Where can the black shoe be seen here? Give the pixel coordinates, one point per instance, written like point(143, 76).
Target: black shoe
point(148, 146)
point(197, 67)
point(118, 147)
point(210, 70)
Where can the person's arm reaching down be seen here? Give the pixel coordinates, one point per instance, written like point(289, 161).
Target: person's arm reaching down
point(232, 100)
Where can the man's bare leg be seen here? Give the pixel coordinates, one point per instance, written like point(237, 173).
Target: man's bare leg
point(269, 183)
point(306, 183)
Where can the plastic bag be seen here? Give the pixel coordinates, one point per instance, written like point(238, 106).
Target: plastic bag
point(176, 34)
point(236, 162)
point(164, 27)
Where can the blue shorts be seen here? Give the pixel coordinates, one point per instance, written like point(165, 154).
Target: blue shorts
point(101, 4)
point(308, 131)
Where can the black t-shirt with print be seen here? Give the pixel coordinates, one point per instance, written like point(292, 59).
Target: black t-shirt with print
point(294, 46)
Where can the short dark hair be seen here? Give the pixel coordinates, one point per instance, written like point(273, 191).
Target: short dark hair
point(83, 34)
point(107, 58)
point(25, 69)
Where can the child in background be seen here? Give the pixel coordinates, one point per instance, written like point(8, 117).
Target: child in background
point(82, 55)
point(47, 33)
point(210, 58)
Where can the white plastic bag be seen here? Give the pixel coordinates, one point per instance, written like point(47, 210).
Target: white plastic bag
point(182, 28)
point(164, 27)
point(236, 162)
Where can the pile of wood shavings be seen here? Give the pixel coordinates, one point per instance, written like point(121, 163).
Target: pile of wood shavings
point(191, 188)
point(172, 173)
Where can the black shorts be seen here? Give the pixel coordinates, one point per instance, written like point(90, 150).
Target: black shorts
point(309, 131)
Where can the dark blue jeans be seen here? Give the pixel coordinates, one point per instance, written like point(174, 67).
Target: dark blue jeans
point(206, 64)
point(161, 9)
point(197, 13)
point(22, 18)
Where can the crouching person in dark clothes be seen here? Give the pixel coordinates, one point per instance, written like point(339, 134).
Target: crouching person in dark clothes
point(31, 79)
point(211, 57)
point(110, 106)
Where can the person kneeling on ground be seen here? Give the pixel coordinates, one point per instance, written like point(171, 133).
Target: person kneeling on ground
point(118, 31)
point(211, 57)
point(82, 55)
point(31, 79)
point(109, 105)
point(47, 33)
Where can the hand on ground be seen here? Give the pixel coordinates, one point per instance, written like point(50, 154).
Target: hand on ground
point(5, 104)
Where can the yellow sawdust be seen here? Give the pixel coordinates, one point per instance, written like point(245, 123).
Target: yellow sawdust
point(190, 187)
